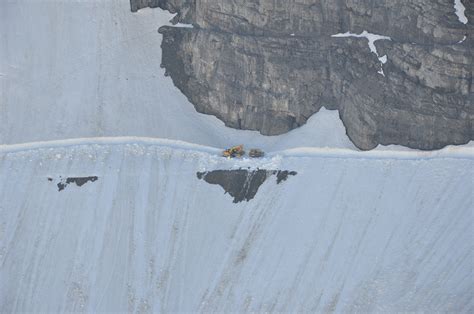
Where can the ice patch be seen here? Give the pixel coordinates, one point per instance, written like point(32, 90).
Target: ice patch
point(460, 11)
point(372, 38)
point(183, 25)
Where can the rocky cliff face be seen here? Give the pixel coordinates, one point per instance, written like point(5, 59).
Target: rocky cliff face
point(268, 65)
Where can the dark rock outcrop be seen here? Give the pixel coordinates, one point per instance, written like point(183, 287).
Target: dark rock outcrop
point(79, 181)
point(268, 65)
point(242, 184)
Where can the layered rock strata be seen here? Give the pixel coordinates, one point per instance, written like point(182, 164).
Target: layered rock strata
point(269, 65)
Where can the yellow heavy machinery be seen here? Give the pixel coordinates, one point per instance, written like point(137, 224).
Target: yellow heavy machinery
point(256, 153)
point(236, 151)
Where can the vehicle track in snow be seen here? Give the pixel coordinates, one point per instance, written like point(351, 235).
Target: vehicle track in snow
point(457, 152)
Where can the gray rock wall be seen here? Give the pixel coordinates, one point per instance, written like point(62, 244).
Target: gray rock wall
point(426, 20)
point(268, 65)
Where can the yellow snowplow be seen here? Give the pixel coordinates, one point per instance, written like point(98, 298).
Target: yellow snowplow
point(236, 151)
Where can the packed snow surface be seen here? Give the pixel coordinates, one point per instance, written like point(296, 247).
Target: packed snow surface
point(147, 235)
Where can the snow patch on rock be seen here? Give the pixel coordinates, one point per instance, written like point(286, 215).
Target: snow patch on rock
point(460, 11)
point(462, 40)
point(372, 38)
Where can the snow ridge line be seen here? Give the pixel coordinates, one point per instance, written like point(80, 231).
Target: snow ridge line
point(103, 141)
point(452, 152)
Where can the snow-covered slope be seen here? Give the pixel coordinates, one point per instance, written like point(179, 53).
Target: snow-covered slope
point(374, 231)
point(72, 69)
point(147, 235)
